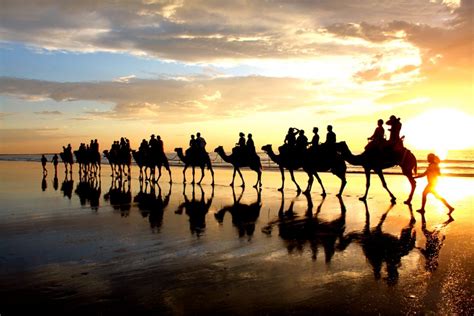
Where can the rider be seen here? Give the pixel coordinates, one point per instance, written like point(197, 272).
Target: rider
point(301, 141)
point(394, 130)
point(201, 144)
point(250, 145)
point(315, 139)
point(377, 138)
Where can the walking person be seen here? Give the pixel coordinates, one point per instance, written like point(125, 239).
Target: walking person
point(432, 173)
point(43, 163)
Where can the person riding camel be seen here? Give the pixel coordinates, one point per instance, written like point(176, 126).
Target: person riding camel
point(301, 142)
point(315, 139)
point(378, 137)
point(201, 145)
point(250, 146)
point(289, 142)
point(394, 140)
point(240, 147)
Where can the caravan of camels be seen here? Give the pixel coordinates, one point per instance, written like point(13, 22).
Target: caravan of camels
point(296, 153)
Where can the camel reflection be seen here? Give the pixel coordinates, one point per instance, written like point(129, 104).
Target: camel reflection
point(244, 216)
point(152, 205)
point(67, 185)
point(434, 242)
point(88, 189)
point(380, 247)
point(119, 195)
point(196, 210)
point(297, 232)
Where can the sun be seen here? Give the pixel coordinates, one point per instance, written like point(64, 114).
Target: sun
point(440, 130)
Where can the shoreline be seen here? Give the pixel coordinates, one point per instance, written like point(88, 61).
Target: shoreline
point(265, 166)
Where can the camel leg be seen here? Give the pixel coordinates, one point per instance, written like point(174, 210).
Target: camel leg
point(233, 177)
point(320, 183)
point(212, 173)
point(282, 171)
point(159, 174)
point(202, 174)
point(193, 174)
point(242, 178)
point(413, 186)
point(184, 173)
point(298, 189)
point(367, 185)
point(169, 173)
point(343, 183)
point(310, 183)
point(384, 184)
point(259, 179)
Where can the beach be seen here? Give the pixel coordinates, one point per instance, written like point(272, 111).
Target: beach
point(109, 246)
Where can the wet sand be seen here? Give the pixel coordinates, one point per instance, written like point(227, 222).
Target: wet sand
point(124, 249)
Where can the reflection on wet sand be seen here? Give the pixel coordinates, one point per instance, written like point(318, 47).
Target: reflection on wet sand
point(67, 185)
point(89, 189)
point(120, 195)
point(434, 241)
point(152, 205)
point(196, 209)
point(296, 231)
point(380, 247)
point(243, 215)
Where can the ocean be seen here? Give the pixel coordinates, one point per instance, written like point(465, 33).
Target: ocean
point(458, 163)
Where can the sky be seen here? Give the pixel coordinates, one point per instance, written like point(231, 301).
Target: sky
point(71, 71)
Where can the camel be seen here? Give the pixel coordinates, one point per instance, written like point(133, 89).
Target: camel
point(311, 165)
point(253, 163)
point(371, 161)
point(200, 161)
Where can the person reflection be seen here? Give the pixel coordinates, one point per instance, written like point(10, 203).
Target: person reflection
point(67, 185)
point(380, 247)
point(244, 216)
point(44, 184)
point(196, 210)
point(55, 182)
point(434, 243)
point(119, 195)
point(152, 206)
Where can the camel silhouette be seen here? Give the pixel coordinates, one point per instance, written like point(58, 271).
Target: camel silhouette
point(201, 160)
point(311, 164)
point(243, 215)
point(143, 162)
point(371, 160)
point(119, 161)
point(237, 161)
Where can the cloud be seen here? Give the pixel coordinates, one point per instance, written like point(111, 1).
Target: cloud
point(125, 79)
point(445, 49)
point(204, 31)
point(49, 113)
point(175, 100)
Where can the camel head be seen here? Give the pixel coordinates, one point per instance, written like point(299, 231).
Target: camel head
point(267, 148)
point(219, 149)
